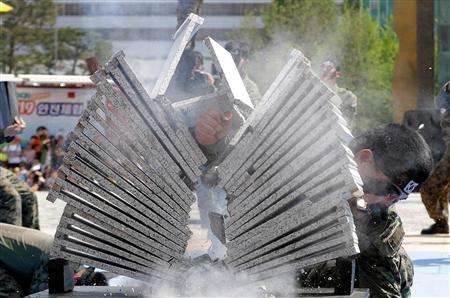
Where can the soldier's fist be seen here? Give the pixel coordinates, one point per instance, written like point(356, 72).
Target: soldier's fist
point(212, 126)
point(17, 128)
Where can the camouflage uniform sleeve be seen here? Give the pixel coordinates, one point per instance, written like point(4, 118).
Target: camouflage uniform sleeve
point(384, 267)
point(2, 136)
point(252, 89)
point(212, 152)
point(4, 139)
point(349, 103)
point(443, 98)
point(445, 125)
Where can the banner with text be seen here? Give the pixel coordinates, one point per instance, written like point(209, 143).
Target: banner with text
point(58, 109)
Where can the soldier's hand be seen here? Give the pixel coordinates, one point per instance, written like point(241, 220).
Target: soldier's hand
point(15, 129)
point(212, 126)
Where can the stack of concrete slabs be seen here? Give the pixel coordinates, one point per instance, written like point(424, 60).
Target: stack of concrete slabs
point(127, 180)
point(288, 176)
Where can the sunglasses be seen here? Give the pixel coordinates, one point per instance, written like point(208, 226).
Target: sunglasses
point(383, 188)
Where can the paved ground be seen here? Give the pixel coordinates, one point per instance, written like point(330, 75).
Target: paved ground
point(431, 254)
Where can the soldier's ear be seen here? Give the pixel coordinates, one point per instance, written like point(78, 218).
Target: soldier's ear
point(366, 163)
point(364, 156)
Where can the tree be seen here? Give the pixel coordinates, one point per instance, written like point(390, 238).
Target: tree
point(323, 31)
point(29, 39)
point(25, 29)
point(184, 8)
point(76, 45)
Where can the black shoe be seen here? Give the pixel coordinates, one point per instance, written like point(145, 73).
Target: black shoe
point(440, 227)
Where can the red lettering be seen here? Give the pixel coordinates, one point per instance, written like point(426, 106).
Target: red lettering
point(26, 107)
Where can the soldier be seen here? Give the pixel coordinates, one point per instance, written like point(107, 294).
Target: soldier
point(392, 161)
point(18, 204)
point(213, 128)
point(23, 260)
point(190, 78)
point(435, 190)
point(24, 256)
point(349, 100)
point(212, 132)
point(240, 52)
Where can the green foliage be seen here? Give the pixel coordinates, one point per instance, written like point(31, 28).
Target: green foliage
point(24, 30)
point(28, 40)
point(367, 55)
point(75, 45)
point(323, 31)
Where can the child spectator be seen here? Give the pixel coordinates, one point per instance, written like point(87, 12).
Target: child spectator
point(14, 152)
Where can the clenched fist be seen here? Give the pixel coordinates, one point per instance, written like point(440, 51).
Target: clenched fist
point(17, 128)
point(212, 126)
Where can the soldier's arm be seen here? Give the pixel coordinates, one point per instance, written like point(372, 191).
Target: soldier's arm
point(8, 133)
point(252, 89)
point(443, 102)
point(445, 124)
point(380, 266)
point(23, 249)
point(4, 138)
point(349, 103)
point(380, 274)
point(443, 98)
point(211, 132)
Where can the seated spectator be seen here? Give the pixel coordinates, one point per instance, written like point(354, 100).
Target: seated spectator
point(18, 205)
point(190, 78)
point(14, 152)
point(58, 157)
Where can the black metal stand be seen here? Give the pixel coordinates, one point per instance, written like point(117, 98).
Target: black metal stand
point(345, 276)
point(60, 276)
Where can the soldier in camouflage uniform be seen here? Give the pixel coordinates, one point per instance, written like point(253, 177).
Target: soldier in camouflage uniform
point(24, 255)
point(240, 52)
point(212, 132)
point(349, 100)
point(392, 161)
point(435, 190)
point(18, 204)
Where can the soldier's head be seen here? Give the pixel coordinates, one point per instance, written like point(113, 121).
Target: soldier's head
point(239, 51)
point(392, 161)
point(329, 73)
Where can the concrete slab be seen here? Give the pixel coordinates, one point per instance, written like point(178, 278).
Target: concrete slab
point(117, 129)
point(230, 164)
point(119, 207)
point(87, 131)
point(229, 73)
point(295, 57)
point(180, 40)
point(125, 75)
point(149, 208)
point(150, 117)
point(145, 191)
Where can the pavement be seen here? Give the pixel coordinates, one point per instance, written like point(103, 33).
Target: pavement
point(430, 254)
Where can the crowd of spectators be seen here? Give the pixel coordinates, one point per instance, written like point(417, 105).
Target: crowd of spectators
point(35, 161)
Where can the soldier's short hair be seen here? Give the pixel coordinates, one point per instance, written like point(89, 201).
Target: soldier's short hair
point(238, 50)
point(399, 152)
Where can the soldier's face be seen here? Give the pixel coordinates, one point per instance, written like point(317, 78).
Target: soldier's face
point(378, 189)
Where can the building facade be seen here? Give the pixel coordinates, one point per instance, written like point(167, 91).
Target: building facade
point(143, 29)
